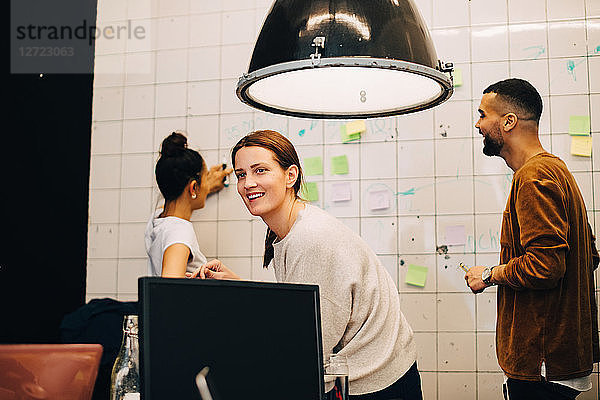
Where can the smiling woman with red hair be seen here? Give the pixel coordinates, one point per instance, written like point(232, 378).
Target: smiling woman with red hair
point(360, 307)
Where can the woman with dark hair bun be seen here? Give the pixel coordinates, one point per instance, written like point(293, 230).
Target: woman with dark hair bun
point(360, 307)
point(184, 182)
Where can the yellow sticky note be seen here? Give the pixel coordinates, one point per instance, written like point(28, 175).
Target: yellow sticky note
point(579, 125)
point(311, 191)
point(354, 127)
point(416, 275)
point(458, 79)
point(581, 146)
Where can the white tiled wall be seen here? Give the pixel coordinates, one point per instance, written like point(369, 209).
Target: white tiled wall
point(182, 75)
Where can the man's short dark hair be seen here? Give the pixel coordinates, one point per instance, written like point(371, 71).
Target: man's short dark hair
point(519, 95)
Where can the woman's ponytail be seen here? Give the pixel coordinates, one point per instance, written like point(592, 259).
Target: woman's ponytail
point(269, 250)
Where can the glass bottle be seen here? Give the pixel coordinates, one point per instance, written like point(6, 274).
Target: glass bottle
point(125, 378)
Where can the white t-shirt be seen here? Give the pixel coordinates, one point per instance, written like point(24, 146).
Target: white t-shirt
point(162, 233)
point(582, 384)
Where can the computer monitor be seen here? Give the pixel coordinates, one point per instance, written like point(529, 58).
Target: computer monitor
point(259, 340)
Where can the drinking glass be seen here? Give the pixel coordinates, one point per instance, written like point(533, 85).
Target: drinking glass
point(336, 371)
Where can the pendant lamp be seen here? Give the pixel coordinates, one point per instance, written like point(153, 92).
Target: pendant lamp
point(344, 59)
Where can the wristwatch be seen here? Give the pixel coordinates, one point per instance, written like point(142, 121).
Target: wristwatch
point(486, 276)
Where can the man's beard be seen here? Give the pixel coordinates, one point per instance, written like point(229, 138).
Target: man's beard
point(493, 145)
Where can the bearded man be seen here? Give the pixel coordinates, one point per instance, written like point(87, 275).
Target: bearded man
point(547, 327)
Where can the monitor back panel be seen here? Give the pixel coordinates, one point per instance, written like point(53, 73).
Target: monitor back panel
point(260, 340)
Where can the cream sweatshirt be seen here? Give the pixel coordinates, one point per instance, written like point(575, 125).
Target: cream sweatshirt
point(360, 308)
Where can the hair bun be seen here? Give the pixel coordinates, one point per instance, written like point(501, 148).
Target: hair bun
point(173, 145)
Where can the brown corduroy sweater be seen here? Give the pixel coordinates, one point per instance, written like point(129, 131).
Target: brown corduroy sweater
point(546, 305)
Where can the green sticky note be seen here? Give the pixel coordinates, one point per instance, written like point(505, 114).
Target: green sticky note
point(579, 125)
point(416, 275)
point(313, 166)
point(458, 79)
point(310, 191)
point(348, 136)
point(339, 165)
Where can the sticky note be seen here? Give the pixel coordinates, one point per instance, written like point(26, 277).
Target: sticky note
point(348, 137)
point(339, 165)
point(357, 126)
point(581, 146)
point(379, 199)
point(341, 191)
point(311, 191)
point(455, 235)
point(313, 166)
point(416, 275)
point(579, 125)
point(458, 78)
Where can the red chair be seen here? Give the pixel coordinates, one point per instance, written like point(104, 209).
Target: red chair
point(48, 371)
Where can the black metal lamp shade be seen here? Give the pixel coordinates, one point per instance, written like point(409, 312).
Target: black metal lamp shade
point(344, 59)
